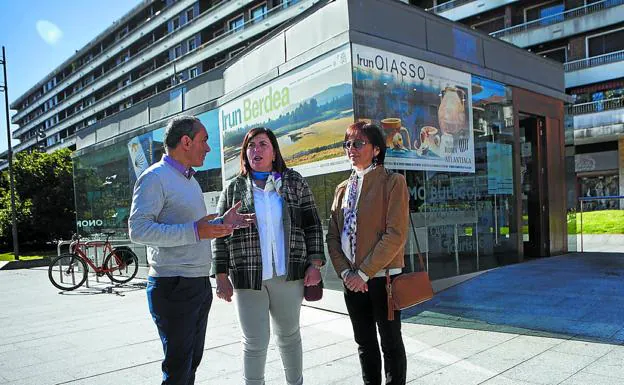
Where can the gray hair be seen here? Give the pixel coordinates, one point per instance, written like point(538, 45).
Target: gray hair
point(178, 127)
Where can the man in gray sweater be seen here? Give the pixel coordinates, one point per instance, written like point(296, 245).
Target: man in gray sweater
point(168, 215)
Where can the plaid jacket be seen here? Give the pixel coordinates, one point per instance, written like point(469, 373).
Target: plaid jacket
point(239, 254)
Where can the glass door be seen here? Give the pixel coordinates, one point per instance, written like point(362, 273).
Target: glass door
point(532, 177)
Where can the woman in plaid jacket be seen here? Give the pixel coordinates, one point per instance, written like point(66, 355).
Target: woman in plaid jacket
point(267, 265)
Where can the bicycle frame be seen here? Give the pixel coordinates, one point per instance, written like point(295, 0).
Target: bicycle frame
point(79, 248)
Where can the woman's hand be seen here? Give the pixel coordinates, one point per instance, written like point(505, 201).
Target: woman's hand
point(312, 276)
point(355, 283)
point(224, 287)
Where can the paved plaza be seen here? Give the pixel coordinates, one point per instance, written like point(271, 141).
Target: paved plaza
point(551, 321)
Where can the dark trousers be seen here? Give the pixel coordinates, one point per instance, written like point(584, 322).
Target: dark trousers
point(179, 307)
point(369, 313)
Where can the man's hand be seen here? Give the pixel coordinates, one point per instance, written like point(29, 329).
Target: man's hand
point(224, 287)
point(355, 283)
point(237, 220)
point(208, 230)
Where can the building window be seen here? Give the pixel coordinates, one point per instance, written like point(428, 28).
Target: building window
point(52, 140)
point(218, 32)
point(191, 44)
point(490, 25)
point(177, 51)
point(548, 13)
point(176, 23)
point(124, 57)
point(193, 72)
point(88, 79)
point(236, 23)
point(190, 14)
point(122, 32)
point(90, 100)
point(219, 62)
point(611, 41)
point(233, 52)
point(557, 54)
point(258, 13)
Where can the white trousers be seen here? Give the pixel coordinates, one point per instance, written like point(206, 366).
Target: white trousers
point(281, 300)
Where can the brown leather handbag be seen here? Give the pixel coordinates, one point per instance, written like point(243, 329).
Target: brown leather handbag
point(408, 289)
point(314, 292)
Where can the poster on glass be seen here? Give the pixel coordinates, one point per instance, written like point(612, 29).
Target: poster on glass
point(308, 110)
point(148, 148)
point(423, 109)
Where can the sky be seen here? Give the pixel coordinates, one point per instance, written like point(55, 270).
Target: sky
point(39, 35)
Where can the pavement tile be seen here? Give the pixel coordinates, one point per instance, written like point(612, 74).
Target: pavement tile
point(441, 335)
point(502, 380)
point(584, 378)
point(470, 344)
point(461, 372)
point(549, 367)
point(583, 348)
point(510, 353)
point(610, 364)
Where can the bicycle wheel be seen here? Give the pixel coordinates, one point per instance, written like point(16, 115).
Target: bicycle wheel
point(67, 271)
point(121, 265)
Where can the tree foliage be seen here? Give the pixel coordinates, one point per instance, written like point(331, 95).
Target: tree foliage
point(44, 194)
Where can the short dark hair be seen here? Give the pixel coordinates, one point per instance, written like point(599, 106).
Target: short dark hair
point(278, 164)
point(373, 134)
point(178, 127)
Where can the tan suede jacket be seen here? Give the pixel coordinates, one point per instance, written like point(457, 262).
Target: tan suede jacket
point(377, 246)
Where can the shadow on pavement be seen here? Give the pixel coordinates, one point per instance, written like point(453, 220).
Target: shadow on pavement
point(106, 288)
point(578, 296)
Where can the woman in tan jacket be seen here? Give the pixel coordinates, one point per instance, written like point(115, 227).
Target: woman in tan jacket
point(366, 236)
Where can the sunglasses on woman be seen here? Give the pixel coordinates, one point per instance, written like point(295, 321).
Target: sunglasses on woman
point(357, 144)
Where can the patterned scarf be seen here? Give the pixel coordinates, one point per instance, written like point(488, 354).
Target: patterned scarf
point(350, 215)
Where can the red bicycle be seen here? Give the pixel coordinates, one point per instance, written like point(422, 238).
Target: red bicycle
point(69, 271)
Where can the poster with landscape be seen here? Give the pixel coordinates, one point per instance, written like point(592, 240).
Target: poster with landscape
point(308, 109)
point(424, 110)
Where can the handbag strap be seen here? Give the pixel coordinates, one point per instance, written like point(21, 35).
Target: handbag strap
point(420, 258)
point(383, 226)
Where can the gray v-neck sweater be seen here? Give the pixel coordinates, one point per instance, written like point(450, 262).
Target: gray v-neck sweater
point(165, 206)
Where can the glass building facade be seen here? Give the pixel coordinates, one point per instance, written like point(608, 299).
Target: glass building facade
point(452, 134)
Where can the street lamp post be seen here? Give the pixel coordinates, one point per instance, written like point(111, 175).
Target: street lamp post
point(10, 155)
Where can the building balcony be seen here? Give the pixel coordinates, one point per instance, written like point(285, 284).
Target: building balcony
point(169, 69)
point(598, 106)
point(208, 18)
point(599, 121)
point(594, 69)
point(460, 9)
point(104, 56)
point(571, 22)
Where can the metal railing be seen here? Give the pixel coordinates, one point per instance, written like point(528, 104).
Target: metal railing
point(597, 106)
point(448, 5)
point(558, 18)
point(598, 225)
point(594, 61)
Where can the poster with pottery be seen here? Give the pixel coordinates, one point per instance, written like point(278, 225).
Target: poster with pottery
point(308, 109)
point(424, 110)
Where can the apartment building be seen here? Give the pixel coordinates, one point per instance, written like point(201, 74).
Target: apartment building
point(156, 46)
point(587, 38)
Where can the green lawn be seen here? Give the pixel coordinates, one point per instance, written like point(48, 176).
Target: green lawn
point(598, 222)
point(25, 256)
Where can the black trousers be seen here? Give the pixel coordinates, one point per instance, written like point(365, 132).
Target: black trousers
point(369, 313)
point(179, 307)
